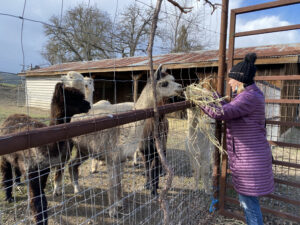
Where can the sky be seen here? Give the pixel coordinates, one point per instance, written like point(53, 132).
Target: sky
point(33, 38)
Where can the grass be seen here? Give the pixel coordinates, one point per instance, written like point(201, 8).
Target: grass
point(33, 112)
point(8, 85)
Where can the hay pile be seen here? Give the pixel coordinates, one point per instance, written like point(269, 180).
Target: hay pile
point(201, 96)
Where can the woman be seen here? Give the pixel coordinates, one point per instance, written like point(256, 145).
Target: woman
point(250, 157)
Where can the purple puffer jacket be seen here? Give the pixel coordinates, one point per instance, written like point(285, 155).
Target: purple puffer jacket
point(250, 157)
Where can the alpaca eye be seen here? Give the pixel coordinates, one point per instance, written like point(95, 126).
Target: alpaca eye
point(165, 84)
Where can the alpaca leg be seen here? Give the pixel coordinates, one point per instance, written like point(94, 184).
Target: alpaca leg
point(146, 160)
point(135, 158)
point(18, 175)
point(94, 166)
point(74, 167)
point(162, 173)
point(73, 171)
point(112, 170)
point(7, 179)
point(59, 171)
point(119, 184)
point(154, 175)
point(38, 200)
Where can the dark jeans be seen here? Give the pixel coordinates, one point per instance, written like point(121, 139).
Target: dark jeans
point(251, 207)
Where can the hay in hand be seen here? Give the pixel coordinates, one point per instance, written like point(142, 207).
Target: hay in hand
point(201, 96)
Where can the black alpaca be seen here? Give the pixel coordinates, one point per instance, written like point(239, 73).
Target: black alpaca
point(149, 152)
point(35, 163)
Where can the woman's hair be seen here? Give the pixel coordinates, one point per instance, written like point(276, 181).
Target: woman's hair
point(240, 88)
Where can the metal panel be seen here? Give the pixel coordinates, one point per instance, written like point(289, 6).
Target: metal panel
point(174, 60)
point(39, 91)
point(284, 163)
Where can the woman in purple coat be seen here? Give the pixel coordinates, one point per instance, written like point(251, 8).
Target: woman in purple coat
point(249, 154)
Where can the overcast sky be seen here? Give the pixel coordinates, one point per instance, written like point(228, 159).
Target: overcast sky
point(11, 58)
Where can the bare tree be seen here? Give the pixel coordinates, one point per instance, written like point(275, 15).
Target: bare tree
point(132, 30)
point(182, 29)
point(163, 196)
point(82, 34)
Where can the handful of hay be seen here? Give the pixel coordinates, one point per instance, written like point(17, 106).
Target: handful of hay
point(200, 95)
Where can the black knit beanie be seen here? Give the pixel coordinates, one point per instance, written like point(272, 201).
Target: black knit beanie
point(244, 71)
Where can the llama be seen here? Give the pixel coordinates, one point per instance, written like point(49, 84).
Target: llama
point(110, 145)
point(35, 162)
point(149, 153)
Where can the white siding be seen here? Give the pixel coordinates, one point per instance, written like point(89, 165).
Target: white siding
point(272, 110)
point(39, 91)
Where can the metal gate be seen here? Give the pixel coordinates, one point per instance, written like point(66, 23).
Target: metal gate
point(282, 93)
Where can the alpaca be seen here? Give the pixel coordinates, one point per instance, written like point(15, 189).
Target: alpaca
point(35, 162)
point(113, 108)
point(117, 143)
point(86, 86)
point(149, 153)
point(200, 151)
point(89, 89)
point(75, 80)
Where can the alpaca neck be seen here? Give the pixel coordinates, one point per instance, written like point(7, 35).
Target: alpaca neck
point(146, 99)
point(134, 135)
point(59, 119)
point(89, 96)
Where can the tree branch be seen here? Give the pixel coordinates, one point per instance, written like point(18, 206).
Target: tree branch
point(214, 6)
point(182, 9)
point(163, 195)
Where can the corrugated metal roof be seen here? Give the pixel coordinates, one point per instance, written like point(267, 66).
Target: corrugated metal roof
point(141, 62)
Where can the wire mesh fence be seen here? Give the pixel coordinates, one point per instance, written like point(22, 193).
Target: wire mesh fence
point(92, 179)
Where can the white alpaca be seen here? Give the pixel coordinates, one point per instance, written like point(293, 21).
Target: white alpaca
point(112, 108)
point(74, 79)
point(89, 89)
point(116, 144)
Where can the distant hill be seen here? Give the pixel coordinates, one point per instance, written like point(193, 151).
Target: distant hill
point(10, 78)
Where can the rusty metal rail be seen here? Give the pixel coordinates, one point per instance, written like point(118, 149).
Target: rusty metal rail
point(37, 137)
point(269, 30)
point(277, 77)
point(232, 35)
point(266, 210)
point(277, 197)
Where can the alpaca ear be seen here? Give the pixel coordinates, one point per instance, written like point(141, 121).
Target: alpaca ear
point(157, 74)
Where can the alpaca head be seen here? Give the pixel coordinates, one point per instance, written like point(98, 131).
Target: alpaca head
point(89, 84)
point(66, 102)
point(73, 79)
point(166, 86)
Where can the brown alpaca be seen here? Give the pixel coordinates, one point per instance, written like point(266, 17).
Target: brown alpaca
point(35, 163)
